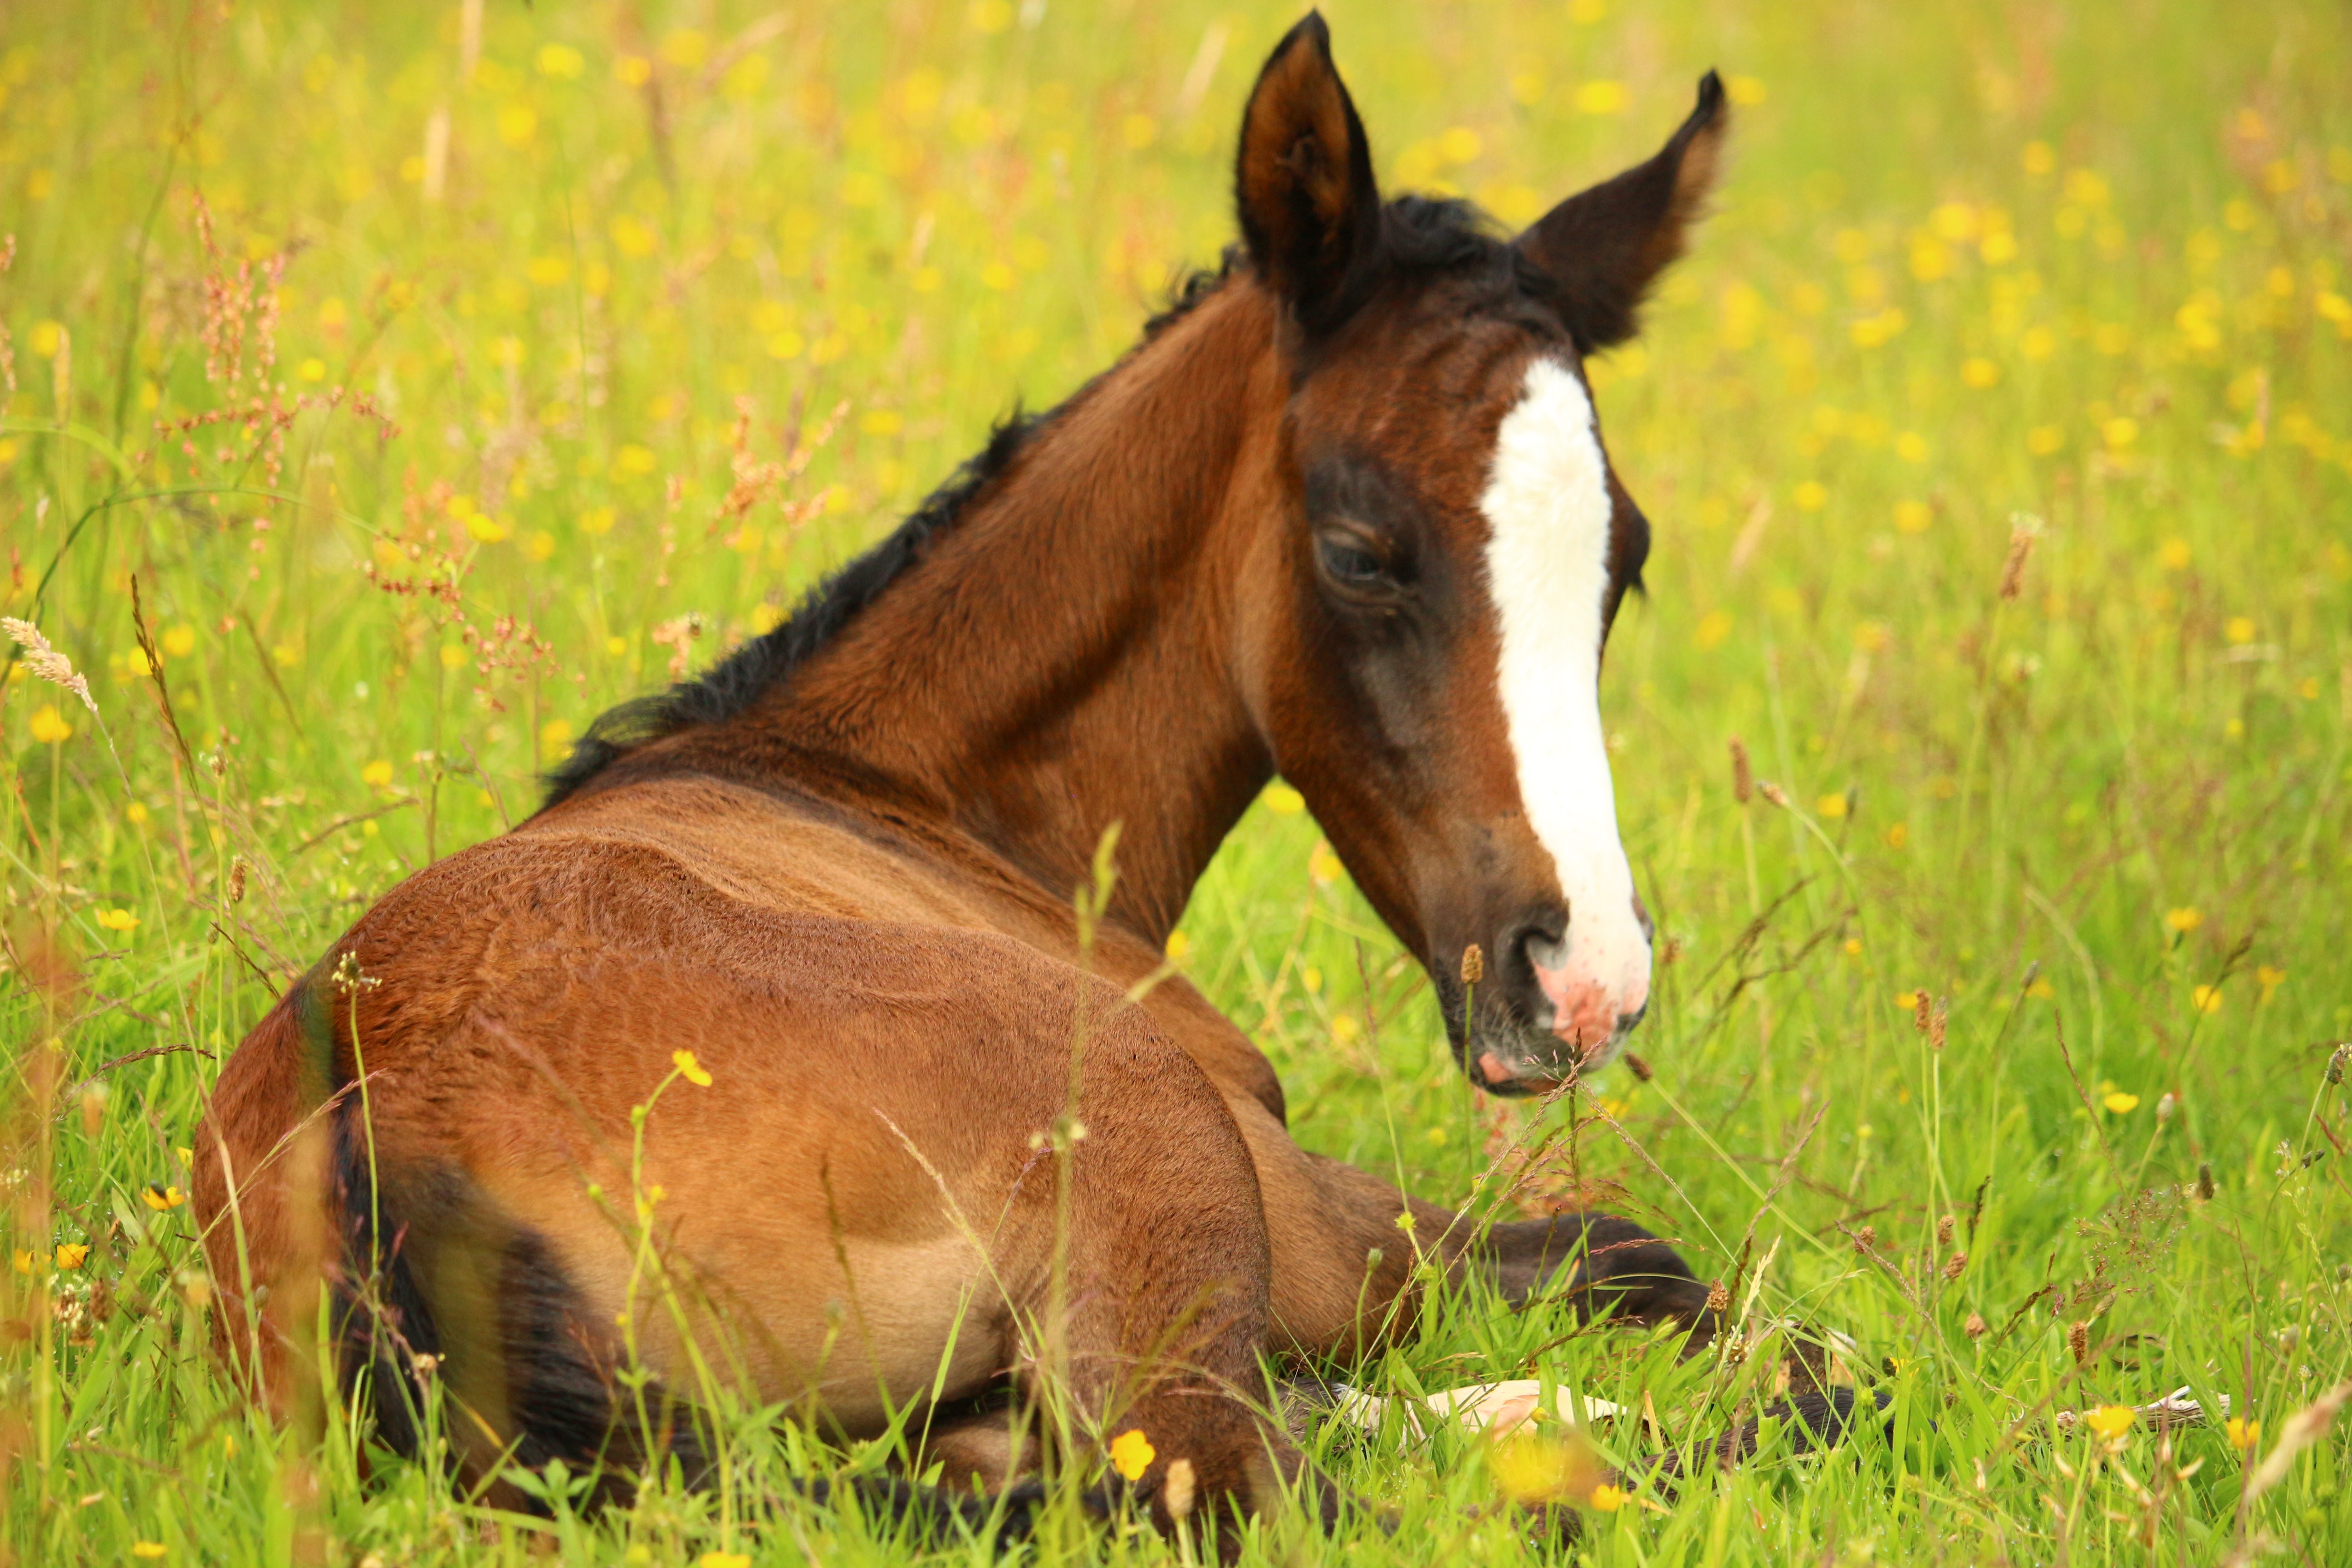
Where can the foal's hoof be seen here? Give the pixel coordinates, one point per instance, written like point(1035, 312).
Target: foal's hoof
point(1814, 1422)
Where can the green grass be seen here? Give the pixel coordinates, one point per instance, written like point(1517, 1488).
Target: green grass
point(2080, 273)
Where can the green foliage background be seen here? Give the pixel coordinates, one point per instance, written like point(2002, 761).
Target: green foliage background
point(423, 454)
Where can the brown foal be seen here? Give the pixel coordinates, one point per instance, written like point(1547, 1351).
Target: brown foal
point(1343, 514)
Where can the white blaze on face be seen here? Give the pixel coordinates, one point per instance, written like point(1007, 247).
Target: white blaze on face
point(1548, 512)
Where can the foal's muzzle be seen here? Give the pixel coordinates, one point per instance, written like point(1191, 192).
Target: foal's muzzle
point(1558, 1002)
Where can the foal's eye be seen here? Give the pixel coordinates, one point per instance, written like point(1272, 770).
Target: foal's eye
point(1348, 565)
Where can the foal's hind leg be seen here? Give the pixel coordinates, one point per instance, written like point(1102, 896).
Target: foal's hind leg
point(1163, 1309)
point(1605, 1267)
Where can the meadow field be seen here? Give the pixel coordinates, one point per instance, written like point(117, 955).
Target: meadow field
point(390, 389)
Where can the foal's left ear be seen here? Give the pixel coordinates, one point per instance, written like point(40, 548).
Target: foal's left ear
point(1603, 248)
point(1303, 180)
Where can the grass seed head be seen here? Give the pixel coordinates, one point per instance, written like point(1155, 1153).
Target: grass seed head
point(2078, 1341)
point(1743, 781)
point(46, 662)
point(1975, 1327)
point(1944, 1227)
point(1176, 1493)
point(2022, 531)
point(1474, 965)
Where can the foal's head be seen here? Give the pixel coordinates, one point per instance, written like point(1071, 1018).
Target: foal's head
point(1424, 624)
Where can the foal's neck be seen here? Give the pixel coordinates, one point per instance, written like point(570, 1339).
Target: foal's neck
point(1060, 661)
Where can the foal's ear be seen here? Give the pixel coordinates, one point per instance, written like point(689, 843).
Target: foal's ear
point(1303, 179)
point(1603, 248)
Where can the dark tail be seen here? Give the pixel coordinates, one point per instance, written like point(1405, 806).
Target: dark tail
point(386, 1344)
point(433, 1289)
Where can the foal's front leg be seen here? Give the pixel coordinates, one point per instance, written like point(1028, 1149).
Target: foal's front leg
point(1604, 1266)
point(1343, 1255)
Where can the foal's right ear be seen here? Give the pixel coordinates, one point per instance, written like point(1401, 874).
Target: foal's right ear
point(1309, 209)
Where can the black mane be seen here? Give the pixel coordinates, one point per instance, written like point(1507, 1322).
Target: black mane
point(1420, 235)
point(737, 681)
point(1438, 234)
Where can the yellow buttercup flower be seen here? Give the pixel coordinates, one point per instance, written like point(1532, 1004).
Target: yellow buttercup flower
point(1533, 1466)
point(2243, 1433)
point(162, 1198)
point(1131, 1453)
point(690, 1069)
point(1609, 1498)
point(71, 1254)
point(2110, 1421)
point(2183, 921)
point(376, 775)
point(2120, 1103)
point(49, 726)
point(723, 1560)
point(1283, 801)
point(1601, 98)
point(148, 1549)
point(118, 920)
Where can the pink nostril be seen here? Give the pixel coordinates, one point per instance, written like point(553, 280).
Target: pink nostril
point(1583, 1012)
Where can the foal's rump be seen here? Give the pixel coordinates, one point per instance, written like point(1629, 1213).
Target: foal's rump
point(841, 1190)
